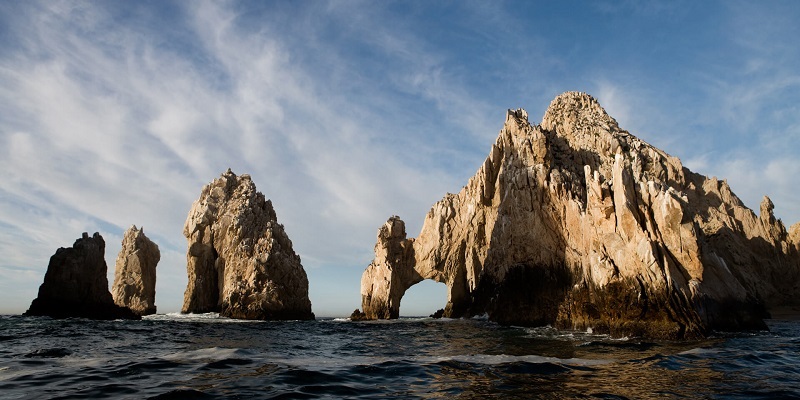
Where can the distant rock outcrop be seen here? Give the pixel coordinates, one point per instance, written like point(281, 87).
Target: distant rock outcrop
point(135, 273)
point(579, 224)
point(240, 260)
point(75, 284)
point(357, 315)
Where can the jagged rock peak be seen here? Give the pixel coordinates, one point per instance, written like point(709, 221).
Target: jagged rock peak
point(240, 260)
point(577, 106)
point(75, 284)
point(135, 272)
point(577, 223)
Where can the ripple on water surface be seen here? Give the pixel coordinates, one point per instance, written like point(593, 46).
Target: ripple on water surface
point(204, 356)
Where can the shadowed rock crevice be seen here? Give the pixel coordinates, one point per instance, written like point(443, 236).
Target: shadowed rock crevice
point(240, 261)
point(529, 295)
point(579, 224)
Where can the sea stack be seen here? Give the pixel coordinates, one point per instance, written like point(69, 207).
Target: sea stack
point(578, 224)
point(135, 273)
point(240, 261)
point(390, 273)
point(75, 284)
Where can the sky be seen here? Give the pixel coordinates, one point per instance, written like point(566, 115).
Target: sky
point(344, 113)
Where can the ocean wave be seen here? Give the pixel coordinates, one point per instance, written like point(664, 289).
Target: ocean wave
point(405, 358)
point(499, 359)
point(209, 354)
point(327, 363)
point(203, 317)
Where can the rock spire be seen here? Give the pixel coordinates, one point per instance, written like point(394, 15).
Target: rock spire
point(135, 273)
point(579, 224)
point(240, 261)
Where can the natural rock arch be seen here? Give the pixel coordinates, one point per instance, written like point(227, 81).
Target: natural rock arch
point(394, 271)
point(577, 223)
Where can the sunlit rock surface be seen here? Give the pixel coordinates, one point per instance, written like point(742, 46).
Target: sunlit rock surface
point(135, 273)
point(577, 223)
point(240, 261)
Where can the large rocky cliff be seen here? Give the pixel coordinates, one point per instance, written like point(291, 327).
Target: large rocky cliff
point(135, 273)
point(75, 284)
point(240, 260)
point(578, 224)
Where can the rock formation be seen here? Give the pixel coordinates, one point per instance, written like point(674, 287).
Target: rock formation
point(75, 284)
point(794, 236)
point(357, 315)
point(135, 273)
point(578, 224)
point(240, 260)
point(389, 274)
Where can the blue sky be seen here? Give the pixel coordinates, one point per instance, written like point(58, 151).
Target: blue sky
point(344, 113)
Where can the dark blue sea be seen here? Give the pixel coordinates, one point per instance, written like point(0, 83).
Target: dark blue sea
point(207, 357)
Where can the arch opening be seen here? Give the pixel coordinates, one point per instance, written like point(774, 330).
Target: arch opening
point(423, 299)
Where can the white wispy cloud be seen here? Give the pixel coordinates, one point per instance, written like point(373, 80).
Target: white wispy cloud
point(107, 128)
point(729, 111)
point(344, 113)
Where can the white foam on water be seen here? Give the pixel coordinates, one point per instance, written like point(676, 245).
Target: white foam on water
point(212, 317)
point(587, 336)
point(700, 350)
point(499, 359)
point(208, 354)
point(326, 363)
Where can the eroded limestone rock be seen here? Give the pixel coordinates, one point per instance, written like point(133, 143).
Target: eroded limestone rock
point(579, 224)
point(135, 273)
point(794, 236)
point(240, 261)
point(391, 270)
point(75, 284)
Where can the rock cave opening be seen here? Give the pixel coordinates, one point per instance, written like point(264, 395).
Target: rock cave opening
point(423, 299)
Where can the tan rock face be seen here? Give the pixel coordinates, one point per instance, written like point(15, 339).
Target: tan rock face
point(240, 261)
point(135, 273)
point(794, 236)
point(75, 284)
point(577, 223)
point(389, 272)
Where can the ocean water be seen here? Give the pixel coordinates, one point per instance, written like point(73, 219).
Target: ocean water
point(208, 357)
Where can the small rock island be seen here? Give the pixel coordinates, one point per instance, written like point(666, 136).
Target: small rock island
point(576, 223)
point(75, 284)
point(135, 273)
point(240, 261)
